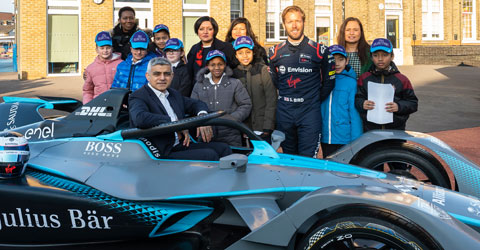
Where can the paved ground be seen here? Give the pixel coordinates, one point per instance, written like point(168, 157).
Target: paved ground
point(449, 101)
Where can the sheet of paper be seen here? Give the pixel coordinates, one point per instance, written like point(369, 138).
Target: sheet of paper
point(380, 93)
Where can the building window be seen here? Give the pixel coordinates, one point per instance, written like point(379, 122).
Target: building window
point(192, 10)
point(274, 27)
point(143, 11)
point(468, 20)
point(63, 37)
point(236, 9)
point(323, 22)
point(432, 19)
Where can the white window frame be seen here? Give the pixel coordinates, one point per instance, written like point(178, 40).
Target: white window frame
point(187, 6)
point(135, 5)
point(328, 14)
point(429, 23)
point(277, 12)
point(73, 3)
point(393, 2)
point(474, 24)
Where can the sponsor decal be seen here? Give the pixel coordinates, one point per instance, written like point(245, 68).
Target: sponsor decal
point(431, 209)
point(438, 196)
point(93, 111)
point(154, 150)
point(104, 149)
point(281, 69)
point(305, 58)
point(474, 208)
point(12, 114)
point(291, 99)
point(299, 70)
point(322, 48)
point(40, 133)
point(78, 219)
point(9, 169)
point(293, 82)
point(284, 55)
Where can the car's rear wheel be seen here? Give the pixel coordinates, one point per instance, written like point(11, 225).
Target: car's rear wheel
point(406, 160)
point(366, 229)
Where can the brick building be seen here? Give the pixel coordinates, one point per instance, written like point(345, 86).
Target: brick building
point(56, 37)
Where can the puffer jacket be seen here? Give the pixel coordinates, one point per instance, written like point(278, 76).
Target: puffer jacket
point(100, 76)
point(341, 123)
point(228, 95)
point(404, 96)
point(256, 79)
point(132, 76)
point(121, 40)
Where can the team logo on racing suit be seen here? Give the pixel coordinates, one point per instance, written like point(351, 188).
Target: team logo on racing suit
point(305, 58)
point(93, 111)
point(281, 69)
point(293, 82)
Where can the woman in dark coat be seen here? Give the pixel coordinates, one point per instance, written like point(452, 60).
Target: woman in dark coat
point(207, 28)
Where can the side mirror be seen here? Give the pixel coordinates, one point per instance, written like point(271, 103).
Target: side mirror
point(277, 138)
point(237, 161)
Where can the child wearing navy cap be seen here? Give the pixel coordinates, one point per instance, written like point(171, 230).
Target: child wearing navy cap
point(99, 74)
point(161, 34)
point(255, 77)
point(220, 91)
point(385, 71)
point(175, 55)
point(341, 123)
point(131, 72)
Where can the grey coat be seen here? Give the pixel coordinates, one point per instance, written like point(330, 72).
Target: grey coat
point(229, 95)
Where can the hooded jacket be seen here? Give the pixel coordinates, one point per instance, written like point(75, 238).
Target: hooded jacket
point(228, 95)
point(100, 76)
point(256, 79)
point(341, 123)
point(132, 76)
point(404, 96)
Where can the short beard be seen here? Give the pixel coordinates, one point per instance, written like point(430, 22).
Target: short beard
point(296, 38)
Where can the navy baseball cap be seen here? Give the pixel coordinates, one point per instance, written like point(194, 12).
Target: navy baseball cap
point(103, 38)
point(381, 44)
point(243, 42)
point(139, 40)
point(160, 27)
point(337, 49)
point(173, 44)
point(215, 53)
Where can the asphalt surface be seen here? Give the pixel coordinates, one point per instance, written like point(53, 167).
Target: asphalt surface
point(449, 101)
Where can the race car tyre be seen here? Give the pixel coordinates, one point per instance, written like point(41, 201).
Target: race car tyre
point(367, 229)
point(406, 160)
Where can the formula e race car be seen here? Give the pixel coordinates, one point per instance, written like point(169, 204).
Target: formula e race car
point(93, 180)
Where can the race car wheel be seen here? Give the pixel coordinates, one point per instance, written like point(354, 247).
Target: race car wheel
point(406, 160)
point(367, 229)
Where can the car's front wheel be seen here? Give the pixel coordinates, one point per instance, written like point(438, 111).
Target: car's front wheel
point(366, 229)
point(406, 160)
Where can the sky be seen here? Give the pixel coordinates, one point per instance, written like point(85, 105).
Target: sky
point(6, 6)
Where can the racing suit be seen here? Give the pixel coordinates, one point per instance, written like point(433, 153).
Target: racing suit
point(304, 76)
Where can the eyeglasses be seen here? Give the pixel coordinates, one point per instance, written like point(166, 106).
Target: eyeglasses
point(171, 52)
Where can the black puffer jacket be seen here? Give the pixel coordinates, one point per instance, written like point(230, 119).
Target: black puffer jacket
point(404, 96)
point(121, 40)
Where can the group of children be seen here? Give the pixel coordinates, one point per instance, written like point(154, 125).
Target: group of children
point(247, 93)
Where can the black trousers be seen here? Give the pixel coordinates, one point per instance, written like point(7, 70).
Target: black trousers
point(328, 149)
point(211, 151)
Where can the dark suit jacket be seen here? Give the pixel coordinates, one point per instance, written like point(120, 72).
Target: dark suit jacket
point(147, 111)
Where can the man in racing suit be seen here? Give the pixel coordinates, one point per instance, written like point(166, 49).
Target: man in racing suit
point(304, 73)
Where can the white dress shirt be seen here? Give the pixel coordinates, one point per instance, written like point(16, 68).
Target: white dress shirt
point(162, 96)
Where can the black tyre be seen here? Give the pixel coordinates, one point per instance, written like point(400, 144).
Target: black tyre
point(406, 160)
point(367, 229)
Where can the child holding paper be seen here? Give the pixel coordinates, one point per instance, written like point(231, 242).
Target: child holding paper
point(385, 71)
